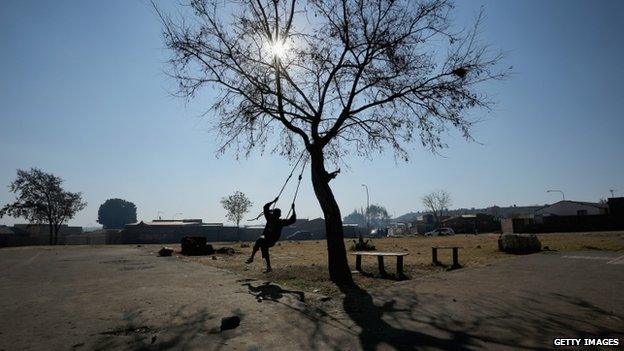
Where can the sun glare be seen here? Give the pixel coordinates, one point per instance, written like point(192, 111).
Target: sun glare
point(278, 49)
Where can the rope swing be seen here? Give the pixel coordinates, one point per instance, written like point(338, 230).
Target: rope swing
point(286, 182)
point(297, 189)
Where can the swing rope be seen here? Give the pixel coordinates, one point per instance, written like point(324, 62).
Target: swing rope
point(285, 183)
point(297, 189)
point(288, 179)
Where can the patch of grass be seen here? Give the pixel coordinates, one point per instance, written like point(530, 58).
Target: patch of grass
point(303, 264)
point(362, 245)
point(589, 247)
point(602, 241)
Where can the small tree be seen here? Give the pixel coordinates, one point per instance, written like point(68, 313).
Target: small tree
point(41, 199)
point(330, 78)
point(116, 213)
point(236, 206)
point(355, 217)
point(378, 215)
point(437, 202)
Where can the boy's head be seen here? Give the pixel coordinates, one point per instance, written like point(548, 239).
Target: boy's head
point(277, 213)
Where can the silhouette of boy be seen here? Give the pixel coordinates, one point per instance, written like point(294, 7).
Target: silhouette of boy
point(272, 232)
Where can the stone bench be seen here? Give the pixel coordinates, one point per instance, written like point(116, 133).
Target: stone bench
point(380, 260)
point(434, 255)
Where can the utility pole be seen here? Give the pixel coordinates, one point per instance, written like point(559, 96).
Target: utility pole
point(367, 210)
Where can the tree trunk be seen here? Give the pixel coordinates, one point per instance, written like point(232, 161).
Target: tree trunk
point(56, 230)
point(51, 233)
point(339, 271)
point(436, 218)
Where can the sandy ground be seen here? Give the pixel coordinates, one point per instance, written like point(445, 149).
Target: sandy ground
point(124, 297)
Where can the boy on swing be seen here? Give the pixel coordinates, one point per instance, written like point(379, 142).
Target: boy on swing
point(272, 232)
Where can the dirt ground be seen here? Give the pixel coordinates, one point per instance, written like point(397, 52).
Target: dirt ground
point(302, 264)
point(125, 297)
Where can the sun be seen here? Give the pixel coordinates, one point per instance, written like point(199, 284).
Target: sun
point(278, 49)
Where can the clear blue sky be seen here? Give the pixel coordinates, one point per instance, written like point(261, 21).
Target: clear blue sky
point(83, 95)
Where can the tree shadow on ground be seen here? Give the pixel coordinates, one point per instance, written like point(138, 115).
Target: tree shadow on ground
point(386, 275)
point(185, 326)
point(272, 292)
point(437, 322)
point(374, 330)
point(395, 317)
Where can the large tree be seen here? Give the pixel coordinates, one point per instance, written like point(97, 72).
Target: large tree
point(41, 199)
point(437, 202)
point(116, 213)
point(236, 205)
point(331, 78)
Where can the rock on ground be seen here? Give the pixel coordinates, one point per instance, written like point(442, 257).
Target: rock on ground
point(165, 251)
point(195, 246)
point(519, 243)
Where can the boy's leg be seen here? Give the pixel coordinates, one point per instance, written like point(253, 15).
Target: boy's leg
point(256, 247)
point(268, 263)
point(267, 258)
point(253, 253)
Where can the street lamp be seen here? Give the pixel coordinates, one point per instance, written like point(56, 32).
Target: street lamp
point(367, 210)
point(557, 191)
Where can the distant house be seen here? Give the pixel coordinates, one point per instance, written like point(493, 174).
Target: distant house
point(172, 231)
point(427, 218)
point(473, 223)
point(425, 223)
point(571, 216)
point(316, 226)
point(514, 211)
point(572, 208)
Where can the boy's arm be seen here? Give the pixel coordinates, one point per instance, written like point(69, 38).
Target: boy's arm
point(293, 217)
point(267, 207)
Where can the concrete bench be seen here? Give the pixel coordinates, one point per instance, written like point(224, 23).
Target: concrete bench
point(434, 255)
point(380, 260)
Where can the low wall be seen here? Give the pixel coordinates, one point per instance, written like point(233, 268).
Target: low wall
point(94, 238)
point(554, 224)
point(155, 235)
point(164, 235)
point(168, 235)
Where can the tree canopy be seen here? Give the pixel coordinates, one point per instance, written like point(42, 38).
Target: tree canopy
point(344, 75)
point(41, 199)
point(437, 202)
point(331, 78)
point(116, 213)
point(236, 205)
point(376, 214)
point(355, 217)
